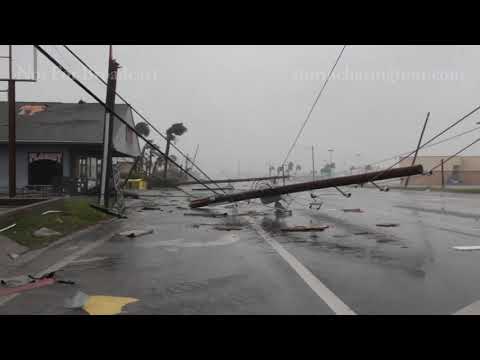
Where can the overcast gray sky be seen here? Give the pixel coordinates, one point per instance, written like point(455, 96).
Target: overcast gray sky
point(246, 103)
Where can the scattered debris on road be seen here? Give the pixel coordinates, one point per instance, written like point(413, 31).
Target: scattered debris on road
point(7, 228)
point(151, 208)
point(136, 233)
point(305, 228)
point(315, 204)
point(207, 215)
point(13, 256)
point(51, 212)
point(466, 248)
point(45, 232)
point(29, 286)
point(98, 305)
point(77, 301)
point(388, 225)
point(15, 281)
point(353, 210)
point(228, 227)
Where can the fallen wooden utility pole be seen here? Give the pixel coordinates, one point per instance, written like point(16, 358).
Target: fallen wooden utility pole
point(236, 180)
point(319, 184)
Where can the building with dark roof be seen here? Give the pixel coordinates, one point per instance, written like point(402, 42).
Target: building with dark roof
point(58, 140)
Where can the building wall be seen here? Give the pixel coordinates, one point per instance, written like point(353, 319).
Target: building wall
point(468, 170)
point(22, 162)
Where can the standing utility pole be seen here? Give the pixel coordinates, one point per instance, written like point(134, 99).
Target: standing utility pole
point(12, 148)
point(313, 165)
point(443, 176)
point(108, 132)
point(418, 146)
point(12, 166)
point(195, 156)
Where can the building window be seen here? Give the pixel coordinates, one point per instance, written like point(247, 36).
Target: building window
point(89, 167)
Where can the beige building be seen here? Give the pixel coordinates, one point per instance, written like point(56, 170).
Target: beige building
point(460, 170)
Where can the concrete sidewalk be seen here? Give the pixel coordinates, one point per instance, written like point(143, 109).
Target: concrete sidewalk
point(33, 261)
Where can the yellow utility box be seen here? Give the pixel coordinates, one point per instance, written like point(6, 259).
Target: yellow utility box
point(138, 184)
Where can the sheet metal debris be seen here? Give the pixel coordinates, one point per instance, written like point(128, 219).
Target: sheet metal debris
point(466, 248)
point(388, 225)
point(136, 233)
point(301, 228)
point(51, 212)
point(8, 228)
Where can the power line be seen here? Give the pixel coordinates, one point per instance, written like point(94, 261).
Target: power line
point(136, 112)
point(313, 105)
point(86, 89)
point(427, 147)
point(457, 153)
point(433, 138)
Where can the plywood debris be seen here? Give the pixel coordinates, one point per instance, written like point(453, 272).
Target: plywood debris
point(228, 227)
point(301, 228)
point(136, 233)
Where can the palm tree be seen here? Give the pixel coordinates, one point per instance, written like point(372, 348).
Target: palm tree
point(298, 168)
point(270, 170)
point(176, 129)
point(290, 167)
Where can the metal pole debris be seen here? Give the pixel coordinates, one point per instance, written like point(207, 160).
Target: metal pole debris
point(418, 146)
point(319, 184)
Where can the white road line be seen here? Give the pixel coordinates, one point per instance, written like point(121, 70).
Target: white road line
point(62, 263)
point(333, 301)
point(89, 260)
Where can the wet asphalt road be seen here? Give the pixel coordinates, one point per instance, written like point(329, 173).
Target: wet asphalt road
point(188, 267)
